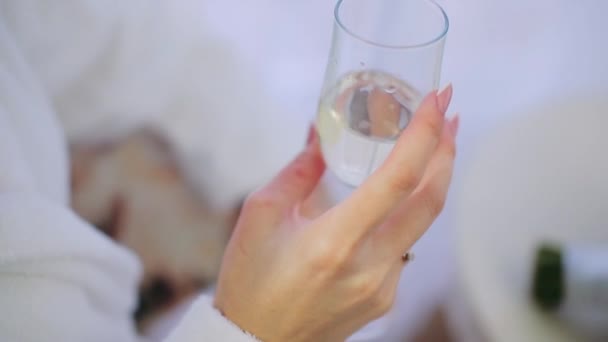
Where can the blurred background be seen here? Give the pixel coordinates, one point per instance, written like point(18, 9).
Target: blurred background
point(511, 63)
point(530, 83)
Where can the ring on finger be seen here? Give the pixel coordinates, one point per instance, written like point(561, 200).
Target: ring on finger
point(407, 257)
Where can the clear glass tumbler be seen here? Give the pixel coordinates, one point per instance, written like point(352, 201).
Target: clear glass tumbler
point(385, 57)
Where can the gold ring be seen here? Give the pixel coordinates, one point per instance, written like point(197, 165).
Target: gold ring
point(407, 257)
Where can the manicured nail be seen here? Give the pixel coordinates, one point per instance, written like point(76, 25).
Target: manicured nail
point(455, 124)
point(312, 134)
point(444, 98)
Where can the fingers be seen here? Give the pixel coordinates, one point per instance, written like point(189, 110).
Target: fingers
point(416, 214)
point(401, 172)
point(295, 182)
point(384, 114)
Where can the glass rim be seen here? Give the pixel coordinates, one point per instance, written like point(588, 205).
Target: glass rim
point(441, 35)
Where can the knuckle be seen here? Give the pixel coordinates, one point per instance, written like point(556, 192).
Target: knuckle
point(433, 127)
point(368, 291)
point(259, 201)
point(330, 258)
point(434, 201)
point(450, 150)
point(301, 169)
point(406, 182)
point(382, 304)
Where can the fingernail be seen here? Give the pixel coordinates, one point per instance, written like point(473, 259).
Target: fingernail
point(444, 98)
point(455, 125)
point(312, 133)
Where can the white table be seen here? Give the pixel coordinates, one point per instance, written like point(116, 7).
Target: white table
point(502, 56)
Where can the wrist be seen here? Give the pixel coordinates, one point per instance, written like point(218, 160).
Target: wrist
point(236, 322)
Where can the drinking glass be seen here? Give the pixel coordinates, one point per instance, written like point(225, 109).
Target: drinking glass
point(385, 57)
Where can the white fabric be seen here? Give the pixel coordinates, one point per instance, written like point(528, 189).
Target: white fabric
point(61, 280)
point(215, 324)
point(112, 65)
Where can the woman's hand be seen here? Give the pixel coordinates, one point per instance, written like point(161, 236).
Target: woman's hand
point(286, 278)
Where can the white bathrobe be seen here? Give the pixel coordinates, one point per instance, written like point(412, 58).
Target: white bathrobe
point(82, 68)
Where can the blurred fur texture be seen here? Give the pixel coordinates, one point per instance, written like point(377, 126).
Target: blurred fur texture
point(117, 71)
point(133, 190)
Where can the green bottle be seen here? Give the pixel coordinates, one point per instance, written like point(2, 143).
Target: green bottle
point(548, 280)
point(571, 282)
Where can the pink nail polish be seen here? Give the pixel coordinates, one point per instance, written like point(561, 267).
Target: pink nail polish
point(444, 98)
point(311, 134)
point(455, 125)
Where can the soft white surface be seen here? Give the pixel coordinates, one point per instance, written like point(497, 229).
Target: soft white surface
point(60, 278)
point(112, 66)
point(540, 178)
point(215, 326)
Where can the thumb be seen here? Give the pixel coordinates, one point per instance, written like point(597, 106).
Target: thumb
point(298, 179)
